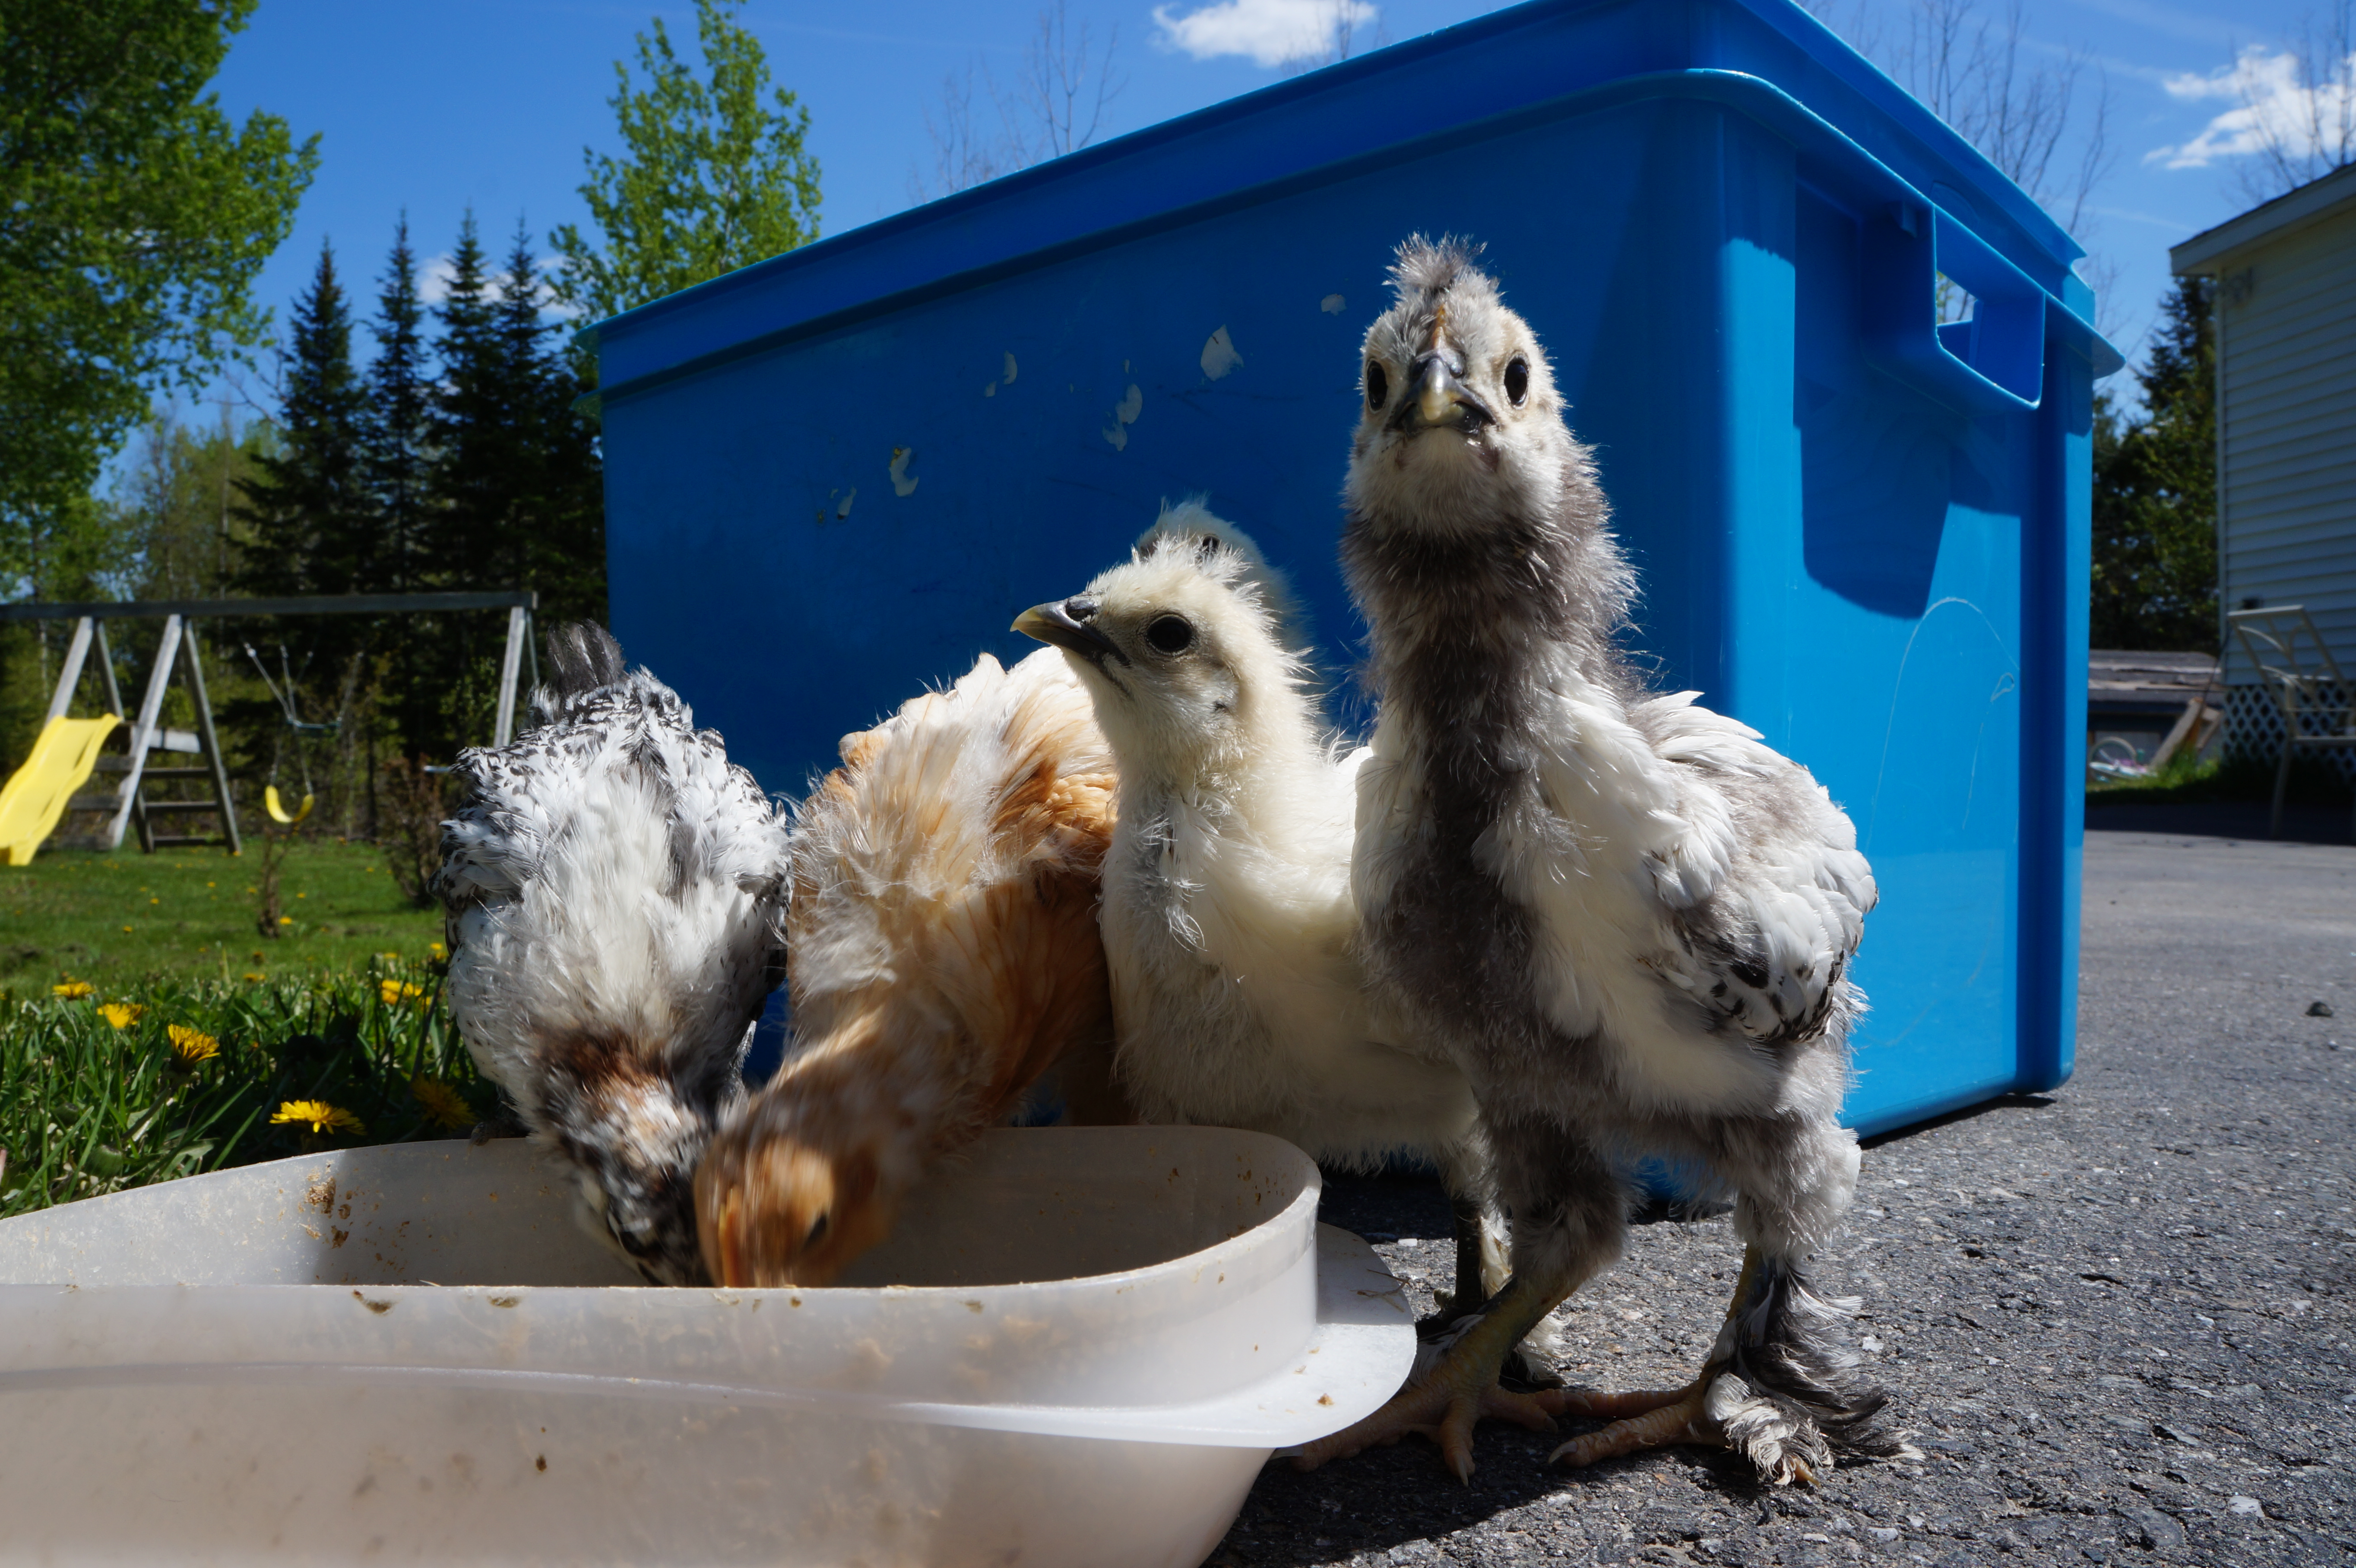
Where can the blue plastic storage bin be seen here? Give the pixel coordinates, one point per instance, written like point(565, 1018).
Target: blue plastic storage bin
point(837, 475)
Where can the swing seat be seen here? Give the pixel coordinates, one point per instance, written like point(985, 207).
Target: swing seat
point(37, 794)
point(271, 803)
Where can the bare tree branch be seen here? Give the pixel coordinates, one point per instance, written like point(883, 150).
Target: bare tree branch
point(1057, 106)
point(1342, 34)
point(2301, 106)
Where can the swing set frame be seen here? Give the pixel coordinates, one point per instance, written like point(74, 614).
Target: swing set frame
point(125, 804)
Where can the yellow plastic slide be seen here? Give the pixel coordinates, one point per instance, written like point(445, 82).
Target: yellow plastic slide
point(36, 795)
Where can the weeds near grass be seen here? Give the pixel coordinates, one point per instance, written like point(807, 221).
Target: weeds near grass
point(410, 835)
point(100, 1093)
point(2187, 781)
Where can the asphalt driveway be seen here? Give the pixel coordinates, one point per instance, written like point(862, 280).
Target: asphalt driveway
point(2116, 1319)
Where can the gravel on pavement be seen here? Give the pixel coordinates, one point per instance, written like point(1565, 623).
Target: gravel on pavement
point(2116, 1320)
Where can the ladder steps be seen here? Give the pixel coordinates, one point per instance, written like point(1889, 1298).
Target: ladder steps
point(156, 806)
point(106, 803)
point(213, 839)
point(179, 773)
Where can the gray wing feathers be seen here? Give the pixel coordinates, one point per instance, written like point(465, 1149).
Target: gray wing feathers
point(1763, 882)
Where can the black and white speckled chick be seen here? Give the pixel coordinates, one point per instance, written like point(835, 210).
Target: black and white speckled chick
point(1627, 917)
point(614, 894)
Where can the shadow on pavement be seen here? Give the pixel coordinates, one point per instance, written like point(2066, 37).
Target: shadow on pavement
point(2220, 819)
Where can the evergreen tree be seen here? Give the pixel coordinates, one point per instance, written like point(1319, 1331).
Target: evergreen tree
point(308, 504)
point(471, 426)
point(518, 498)
point(2154, 567)
point(400, 398)
point(399, 448)
point(555, 539)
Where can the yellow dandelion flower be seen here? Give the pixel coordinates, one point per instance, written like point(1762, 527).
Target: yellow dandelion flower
point(75, 990)
point(155, 901)
point(322, 1117)
point(189, 1045)
point(255, 975)
point(302, 895)
point(395, 992)
point(126, 930)
point(390, 957)
point(438, 951)
point(445, 1106)
point(285, 920)
point(121, 1015)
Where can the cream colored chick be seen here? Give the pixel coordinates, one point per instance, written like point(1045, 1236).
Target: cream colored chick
point(1227, 918)
point(944, 955)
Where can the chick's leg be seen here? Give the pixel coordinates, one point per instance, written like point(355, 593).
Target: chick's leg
point(1568, 1216)
point(1655, 1418)
point(1776, 1387)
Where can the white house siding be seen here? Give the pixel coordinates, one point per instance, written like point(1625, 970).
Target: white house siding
point(2287, 411)
point(2287, 310)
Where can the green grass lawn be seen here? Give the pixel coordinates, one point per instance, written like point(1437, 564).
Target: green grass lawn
point(106, 1087)
point(111, 919)
point(148, 1030)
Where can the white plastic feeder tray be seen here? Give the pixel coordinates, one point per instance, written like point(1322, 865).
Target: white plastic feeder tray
point(1080, 1347)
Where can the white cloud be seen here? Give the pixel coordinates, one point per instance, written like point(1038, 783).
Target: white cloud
point(433, 281)
point(1270, 32)
point(2273, 106)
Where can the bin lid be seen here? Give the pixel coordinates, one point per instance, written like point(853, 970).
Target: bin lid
point(1235, 150)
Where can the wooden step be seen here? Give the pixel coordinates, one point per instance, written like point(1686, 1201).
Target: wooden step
point(156, 806)
point(108, 803)
point(165, 839)
point(178, 773)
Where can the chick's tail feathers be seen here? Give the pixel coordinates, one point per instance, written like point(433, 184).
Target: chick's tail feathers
point(945, 956)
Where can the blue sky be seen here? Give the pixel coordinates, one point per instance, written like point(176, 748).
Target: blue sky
point(435, 106)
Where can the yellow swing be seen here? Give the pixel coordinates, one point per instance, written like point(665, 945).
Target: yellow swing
point(270, 801)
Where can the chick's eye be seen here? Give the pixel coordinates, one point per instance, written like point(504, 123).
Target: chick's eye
point(817, 1233)
point(1170, 635)
point(1379, 386)
point(1517, 380)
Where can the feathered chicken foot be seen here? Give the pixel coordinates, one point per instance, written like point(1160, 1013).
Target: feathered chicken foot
point(1655, 1418)
point(1456, 1391)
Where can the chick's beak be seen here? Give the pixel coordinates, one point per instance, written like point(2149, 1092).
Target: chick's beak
point(1437, 396)
point(1070, 625)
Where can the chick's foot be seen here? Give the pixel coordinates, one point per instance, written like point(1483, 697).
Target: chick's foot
point(1439, 1408)
point(1716, 1410)
point(1455, 1392)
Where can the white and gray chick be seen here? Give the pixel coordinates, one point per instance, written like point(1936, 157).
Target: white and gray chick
point(614, 894)
point(1626, 917)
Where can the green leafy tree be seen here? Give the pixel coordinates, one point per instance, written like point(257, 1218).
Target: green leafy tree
point(2154, 567)
point(134, 217)
point(714, 176)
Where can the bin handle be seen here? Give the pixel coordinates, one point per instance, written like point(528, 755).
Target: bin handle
point(1993, 362)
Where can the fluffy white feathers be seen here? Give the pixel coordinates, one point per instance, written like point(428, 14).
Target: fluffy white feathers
point(1228, 917)
point(613, 894)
